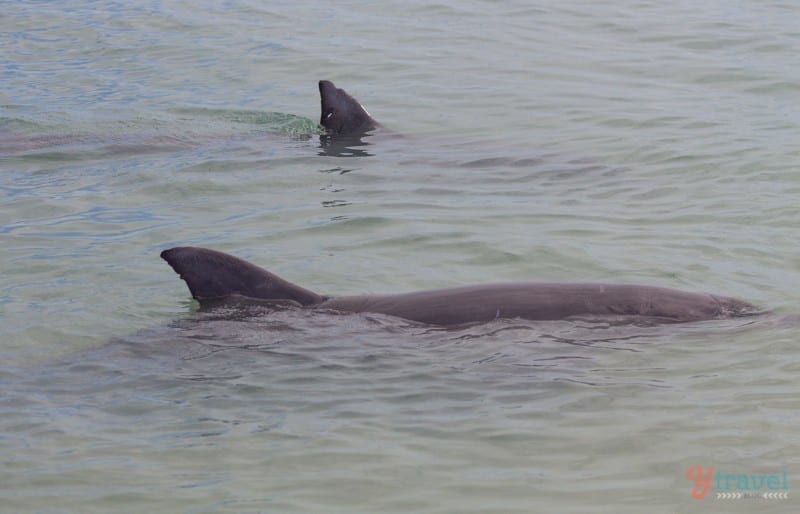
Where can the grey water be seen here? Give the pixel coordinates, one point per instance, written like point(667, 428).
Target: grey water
point(652, 143)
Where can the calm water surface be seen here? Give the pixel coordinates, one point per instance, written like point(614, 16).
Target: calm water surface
point(641, 143)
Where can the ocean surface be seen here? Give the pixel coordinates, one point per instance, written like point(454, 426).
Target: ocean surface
point(640, 142)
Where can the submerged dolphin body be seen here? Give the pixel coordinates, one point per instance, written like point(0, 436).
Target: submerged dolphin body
point(341, 113)
point(213, 275)
point(342, 117)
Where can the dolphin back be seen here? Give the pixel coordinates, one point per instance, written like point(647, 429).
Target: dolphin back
point(211, 275)
point(545, 301)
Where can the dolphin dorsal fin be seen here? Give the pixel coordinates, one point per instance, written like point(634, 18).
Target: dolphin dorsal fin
point(212, 274)
point(341, 113)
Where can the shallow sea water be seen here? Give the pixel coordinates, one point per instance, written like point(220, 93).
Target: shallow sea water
point(644, 143)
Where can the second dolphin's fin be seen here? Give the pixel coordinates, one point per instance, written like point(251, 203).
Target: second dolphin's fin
point(341, 113)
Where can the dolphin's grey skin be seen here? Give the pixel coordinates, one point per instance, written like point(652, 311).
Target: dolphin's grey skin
point(341, 113)
point(213, 275)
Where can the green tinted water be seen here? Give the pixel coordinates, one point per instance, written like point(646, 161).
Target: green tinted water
point(640, 144)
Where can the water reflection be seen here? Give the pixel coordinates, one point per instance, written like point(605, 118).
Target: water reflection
point(344, 146)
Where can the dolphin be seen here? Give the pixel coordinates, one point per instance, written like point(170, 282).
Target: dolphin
point(212, 276)
point(341, 113)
